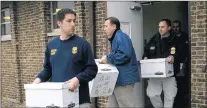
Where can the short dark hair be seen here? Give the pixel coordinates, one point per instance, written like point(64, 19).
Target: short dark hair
point(115, 21)
point(61, 13)
point(177, 21)
point(167, 21)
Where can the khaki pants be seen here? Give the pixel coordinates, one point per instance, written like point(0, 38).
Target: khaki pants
point(85, 105)
point(154, 90)
point(122, 97)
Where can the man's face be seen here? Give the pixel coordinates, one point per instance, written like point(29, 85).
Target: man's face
point(109, 28)
point(163, 27)
point(176, 27)
point(67, 25)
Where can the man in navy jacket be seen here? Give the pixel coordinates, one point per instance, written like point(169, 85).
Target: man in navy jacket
point(123, 56)
point(69, 58)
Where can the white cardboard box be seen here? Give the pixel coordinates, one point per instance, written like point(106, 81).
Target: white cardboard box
point(156, 68)
point(50, 94)
point(104, 82)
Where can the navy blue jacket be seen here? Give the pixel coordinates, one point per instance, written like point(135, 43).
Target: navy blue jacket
point(124, 58)
point(67, 59)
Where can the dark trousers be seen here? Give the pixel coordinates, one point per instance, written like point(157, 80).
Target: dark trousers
point(182, 97)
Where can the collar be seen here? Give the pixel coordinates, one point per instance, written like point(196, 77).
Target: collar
point(113, 36)
point(165, 35)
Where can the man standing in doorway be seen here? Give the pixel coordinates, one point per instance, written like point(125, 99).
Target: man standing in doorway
point(124, 58)
point(69, 58)
point(181, 65)
point(162, 45)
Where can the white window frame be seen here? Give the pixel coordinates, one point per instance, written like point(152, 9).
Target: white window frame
point(54, 32)
point(51, 11)
point(6, 37)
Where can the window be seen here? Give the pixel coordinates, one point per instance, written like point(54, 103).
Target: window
point(55, 7)
point(5, 22)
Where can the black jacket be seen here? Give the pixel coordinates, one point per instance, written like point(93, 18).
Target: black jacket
point(182, 53)
point(182, 47)
point(160, 48)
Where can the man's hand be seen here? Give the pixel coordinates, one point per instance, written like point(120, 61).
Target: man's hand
point(73, 83)
point(103, 60)
point(171, 59)
point(36, 81)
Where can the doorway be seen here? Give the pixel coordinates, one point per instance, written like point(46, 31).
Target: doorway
point(153, 12)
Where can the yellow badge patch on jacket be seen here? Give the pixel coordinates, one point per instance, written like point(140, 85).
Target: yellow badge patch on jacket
point(53, 51)
point(74, 50)
point(172, 50)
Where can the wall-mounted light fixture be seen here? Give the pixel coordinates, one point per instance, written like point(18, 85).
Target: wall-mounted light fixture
point(135, 7)
point(149, 3)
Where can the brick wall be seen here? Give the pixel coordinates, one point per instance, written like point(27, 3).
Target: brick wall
point(30, 21)
point(198, 17)
point(82, 24)
point(79, 9)
point(22, 56)
point(26, 49)
point(10, 87)
point(101, 39)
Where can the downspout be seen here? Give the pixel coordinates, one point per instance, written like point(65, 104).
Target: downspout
point(92, 35)
point(16, 43)
point(92, 26)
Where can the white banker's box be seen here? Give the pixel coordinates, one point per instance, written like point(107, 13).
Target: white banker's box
point(104, 82)
point(49, 95)
point(156, 68)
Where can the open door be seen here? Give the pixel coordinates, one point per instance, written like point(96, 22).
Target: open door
point(130, 16)
point(152, 14)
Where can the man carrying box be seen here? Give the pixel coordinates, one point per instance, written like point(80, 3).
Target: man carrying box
point(123, 57)
point(162, 45)
point(69, 58)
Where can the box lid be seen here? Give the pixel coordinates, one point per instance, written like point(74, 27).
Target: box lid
point(105, 67)
point(47, 85)
point(97, 60)
point(155, 60)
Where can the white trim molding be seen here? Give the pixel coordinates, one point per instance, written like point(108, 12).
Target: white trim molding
point(5, 37)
